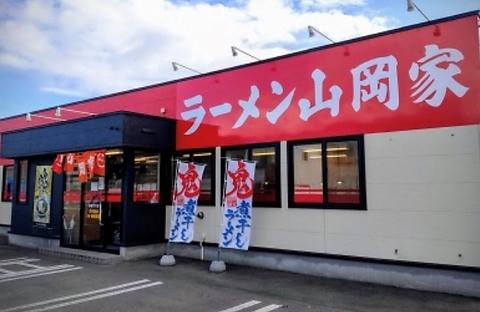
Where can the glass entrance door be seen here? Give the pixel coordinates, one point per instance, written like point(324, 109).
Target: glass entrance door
point(93, 215)
point(72, 206)
point(92, 210)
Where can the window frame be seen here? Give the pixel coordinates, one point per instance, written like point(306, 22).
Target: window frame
point(18, 175)
point(326, 205)
point(159, 178)
point(176, 155)
point(4, 172)
point(249, 147)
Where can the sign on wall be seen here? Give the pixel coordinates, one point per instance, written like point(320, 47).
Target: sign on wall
point(411, 78)
point(418, 78)
point(237, 205)
point(42, 195)
point(185, 200)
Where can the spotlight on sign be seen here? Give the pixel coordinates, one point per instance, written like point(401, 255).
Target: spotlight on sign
point(28, 117)
point(312, 31)
point(411, 6)
point(235, 51)
point(176, 66)
point(59, 110)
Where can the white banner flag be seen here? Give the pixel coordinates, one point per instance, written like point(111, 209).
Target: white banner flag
point(185, 199)
point(237, 205)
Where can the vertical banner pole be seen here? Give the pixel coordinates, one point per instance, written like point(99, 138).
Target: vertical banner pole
point(224, 191)
point(172, 209)
point(219, 266)
point(167, 259)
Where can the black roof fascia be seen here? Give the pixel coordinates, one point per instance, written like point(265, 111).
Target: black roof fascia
point(117, 129)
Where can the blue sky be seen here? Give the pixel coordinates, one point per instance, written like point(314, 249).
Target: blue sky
point(53, 52)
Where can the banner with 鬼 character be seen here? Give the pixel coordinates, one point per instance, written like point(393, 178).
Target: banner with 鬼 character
point(185, 199)
point(237, 204)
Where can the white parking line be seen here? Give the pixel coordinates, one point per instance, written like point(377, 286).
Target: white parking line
point(269, 308)
point(33, 271)
point(12, 259)
point(65, 298)
point(242, 306)
point(109, 294)
point(39, 274)
point(29, 265)
point(30, 270)
point(252, 303)
point(5, 271)
point(19, 261)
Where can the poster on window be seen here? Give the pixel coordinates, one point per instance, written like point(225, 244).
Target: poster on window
point(43, 194)
point(185, 199)
point(237, 205)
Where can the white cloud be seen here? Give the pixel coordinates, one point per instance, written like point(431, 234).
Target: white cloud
point(331, 3)
point(60, 91)
point(94, 47)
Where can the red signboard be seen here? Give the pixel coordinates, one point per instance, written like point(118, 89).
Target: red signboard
point(420, 78)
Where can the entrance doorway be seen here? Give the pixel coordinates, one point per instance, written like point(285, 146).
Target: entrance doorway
point(92, 212)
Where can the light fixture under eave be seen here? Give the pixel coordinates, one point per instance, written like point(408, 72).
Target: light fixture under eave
point(312, 31)
point(176, 66)
point(202, 154)
point(329, 149)
point(113, 153)
point(263, 154)
point(146, 158)
point(235, 51)
point(328, 156)
point(28, 117)
point(58, 111)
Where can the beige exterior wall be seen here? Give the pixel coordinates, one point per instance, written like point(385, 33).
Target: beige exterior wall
point(423, 200)
point(5, 207)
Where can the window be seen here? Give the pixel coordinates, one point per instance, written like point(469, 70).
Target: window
point(114, 175)
point(207, 187)
point(327, 174)
point(72, 208)
point(267, 171)
point(22, 181)
point(7, 184)
point(146, 187)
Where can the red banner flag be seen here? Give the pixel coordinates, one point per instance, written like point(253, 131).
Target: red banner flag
point(99, 167)
point(57, 165)
point(69, 163)
point(89, 158)
point(89, 163)
point(81, 160)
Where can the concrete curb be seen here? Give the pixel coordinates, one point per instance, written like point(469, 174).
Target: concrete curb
point(455, 282)
point(81, 255)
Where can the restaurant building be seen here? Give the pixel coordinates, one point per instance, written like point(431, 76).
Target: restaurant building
point(367, 151)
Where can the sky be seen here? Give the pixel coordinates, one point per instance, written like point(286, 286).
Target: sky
point(54, 52)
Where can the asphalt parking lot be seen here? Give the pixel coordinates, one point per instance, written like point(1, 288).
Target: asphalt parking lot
point(33, 282)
